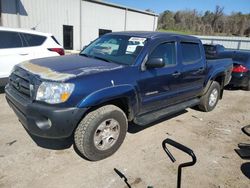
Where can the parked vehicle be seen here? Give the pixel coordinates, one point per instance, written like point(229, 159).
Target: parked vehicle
point(212, 50)
point(17, 45)
point(241, 60)
point(241, 69)
point(93, 95)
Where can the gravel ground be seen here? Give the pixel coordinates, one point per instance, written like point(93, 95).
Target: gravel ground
point(27, 161)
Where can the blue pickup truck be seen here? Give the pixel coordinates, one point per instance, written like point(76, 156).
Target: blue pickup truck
point(119, 78)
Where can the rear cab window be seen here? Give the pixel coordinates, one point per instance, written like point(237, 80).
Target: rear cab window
point(191, 52)
point(33, 40)
point(9, 39)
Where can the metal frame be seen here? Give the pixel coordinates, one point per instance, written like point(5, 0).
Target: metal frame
point(182, 148)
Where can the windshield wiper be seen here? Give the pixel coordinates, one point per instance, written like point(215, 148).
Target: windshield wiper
point(100, 58)
point(86, 55)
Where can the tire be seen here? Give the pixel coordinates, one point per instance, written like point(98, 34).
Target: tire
point(101, 132)
point(210, 99)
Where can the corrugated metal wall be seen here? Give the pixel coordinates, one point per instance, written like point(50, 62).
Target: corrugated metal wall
point(50, 15)
point(9, 13)
point(45, 15)
point(239, 43)
point(137, 21)
point(97, 16)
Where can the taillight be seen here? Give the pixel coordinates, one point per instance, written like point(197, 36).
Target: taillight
point(240, 68)
point(60, 51)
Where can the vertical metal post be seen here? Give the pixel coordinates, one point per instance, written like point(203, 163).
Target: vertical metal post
point(125, 23)
point(154, 23)
point(179, 177)
point(18, 13)
point(1, 13)
point(80, 25)
point(239, 43)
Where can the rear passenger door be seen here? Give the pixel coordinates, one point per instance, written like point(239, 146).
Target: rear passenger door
point(193, 69)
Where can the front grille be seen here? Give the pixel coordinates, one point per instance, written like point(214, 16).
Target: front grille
point(20, 81)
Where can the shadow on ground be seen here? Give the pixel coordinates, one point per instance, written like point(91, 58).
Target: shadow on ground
point(245, 169)
point(231, 88)
point(133, 128)
point(55, 144)
point(61, 144)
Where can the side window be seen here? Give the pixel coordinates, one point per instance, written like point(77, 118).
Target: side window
point(33, 40)
point(165, 51)
point(190, 52)
point(10, 40)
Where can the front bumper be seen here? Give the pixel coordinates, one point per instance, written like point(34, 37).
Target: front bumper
point(239, 80)
point(44, 120)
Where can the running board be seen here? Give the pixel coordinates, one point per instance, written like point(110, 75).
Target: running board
point(148, 118)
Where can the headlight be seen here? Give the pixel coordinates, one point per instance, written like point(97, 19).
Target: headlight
point(53, 92)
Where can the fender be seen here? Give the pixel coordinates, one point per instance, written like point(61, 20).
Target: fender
point(211, 78)
point(111, 93)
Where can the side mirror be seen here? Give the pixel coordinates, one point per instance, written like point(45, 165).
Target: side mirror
point(155, 63)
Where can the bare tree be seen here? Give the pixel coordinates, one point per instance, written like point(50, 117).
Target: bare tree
point(218, 13)
point(208, 23)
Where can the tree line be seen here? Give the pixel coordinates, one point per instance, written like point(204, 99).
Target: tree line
point(208, 23)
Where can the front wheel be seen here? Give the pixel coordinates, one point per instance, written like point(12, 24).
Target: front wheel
point(211, 98)
point(101, 132)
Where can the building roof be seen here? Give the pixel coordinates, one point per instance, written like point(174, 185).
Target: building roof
point(122, 7)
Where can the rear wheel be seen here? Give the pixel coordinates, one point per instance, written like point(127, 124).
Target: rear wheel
point(210, 99)
point(101, 132)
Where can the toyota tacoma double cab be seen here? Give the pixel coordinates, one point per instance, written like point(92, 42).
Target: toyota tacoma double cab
point(92, 96)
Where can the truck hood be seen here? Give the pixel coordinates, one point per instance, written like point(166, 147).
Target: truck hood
point(66, 67)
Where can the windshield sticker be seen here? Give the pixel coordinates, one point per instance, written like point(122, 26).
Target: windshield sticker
point(137, 39)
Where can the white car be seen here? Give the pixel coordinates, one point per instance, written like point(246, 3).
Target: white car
point(18, 45)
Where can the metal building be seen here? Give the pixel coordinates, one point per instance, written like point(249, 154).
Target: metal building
point(74, 23)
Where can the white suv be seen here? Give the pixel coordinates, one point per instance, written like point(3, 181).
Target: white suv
point(17, 45)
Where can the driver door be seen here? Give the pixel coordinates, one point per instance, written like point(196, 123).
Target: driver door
point(159, 86)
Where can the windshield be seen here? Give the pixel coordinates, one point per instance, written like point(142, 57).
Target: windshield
point(115, 48)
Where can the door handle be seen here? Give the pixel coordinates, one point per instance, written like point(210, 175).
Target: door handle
point(23, 54)
point(176, 74)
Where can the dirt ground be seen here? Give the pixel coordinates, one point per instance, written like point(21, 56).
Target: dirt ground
point(33, 162)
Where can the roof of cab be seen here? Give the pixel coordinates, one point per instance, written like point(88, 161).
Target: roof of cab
point(150, 34)
point(24, 31)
